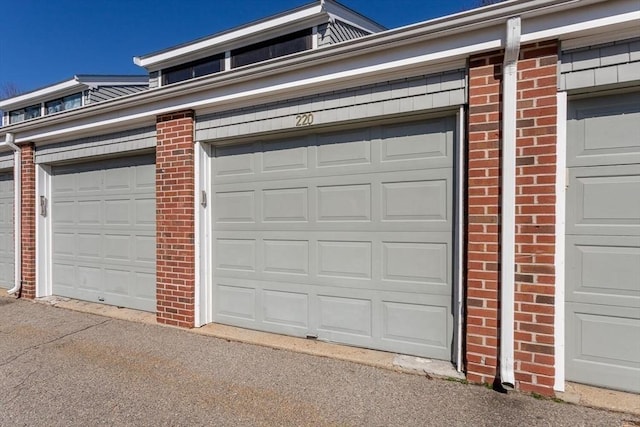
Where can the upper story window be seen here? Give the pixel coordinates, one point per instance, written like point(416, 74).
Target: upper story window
point(26, 113)
point(64, 103)
point(201, 67)
point(280, 46)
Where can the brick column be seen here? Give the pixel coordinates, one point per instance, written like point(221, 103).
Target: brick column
point(483, 216)
point(175, 249)
point(535, 217)
point(28, 231)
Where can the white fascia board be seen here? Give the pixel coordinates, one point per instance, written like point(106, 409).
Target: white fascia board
point(115, 80)
point(40, 95)
point(610, 16)
point(344, 14)
point(228, 37)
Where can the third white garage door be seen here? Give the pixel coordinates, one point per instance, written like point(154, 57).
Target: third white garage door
point(603, 242)
point(344, 236)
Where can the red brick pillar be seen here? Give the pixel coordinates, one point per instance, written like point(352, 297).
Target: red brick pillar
point(536, 217)
point(28, 230)
point(175, 214)
point(483, 217)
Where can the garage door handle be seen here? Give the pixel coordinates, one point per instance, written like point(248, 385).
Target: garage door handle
point(43, 206)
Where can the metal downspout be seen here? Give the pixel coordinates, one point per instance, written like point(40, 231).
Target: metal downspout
point(507, 279)
point(17, 210)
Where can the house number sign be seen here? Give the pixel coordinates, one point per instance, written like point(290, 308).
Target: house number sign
point(305, 119)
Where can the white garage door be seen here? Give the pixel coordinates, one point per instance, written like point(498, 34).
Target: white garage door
point(603, 242)
point(7, 248)
point(103, 220)
point(344, 236)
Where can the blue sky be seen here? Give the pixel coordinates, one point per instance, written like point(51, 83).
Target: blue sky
point(48, 41)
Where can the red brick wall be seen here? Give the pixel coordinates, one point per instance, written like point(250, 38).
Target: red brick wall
point(483, 215)
point(535, 218)
point(28, 225)
point(175, 253)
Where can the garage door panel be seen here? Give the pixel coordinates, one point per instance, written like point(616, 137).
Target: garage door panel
point(604, 132)
point(104, 232)
point(285, 308)
point(405, 264)
point(406, 322)
point(397, 200)
point(235, 254)
point(286, 256)
point(603, 269)
point(344, 318)
point(344, 149)
point(234, 301)
point(430, 139)
point(326, 156)
point(603, 200)
point(7, 248)
point(604, 350)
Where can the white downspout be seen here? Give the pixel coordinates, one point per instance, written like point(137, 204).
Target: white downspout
point(507, 285)
point(17, 210)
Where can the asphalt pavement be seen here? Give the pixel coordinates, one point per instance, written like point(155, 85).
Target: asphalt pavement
point(64, 368)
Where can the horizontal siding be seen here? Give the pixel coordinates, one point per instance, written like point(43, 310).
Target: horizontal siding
point(102, 145)
point(396, 97)
point(6, 160)
point(104, 93)
point(606, 64)
point(154, 79)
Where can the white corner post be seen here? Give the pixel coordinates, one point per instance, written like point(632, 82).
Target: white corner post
point(44, 249)
point(203, 244)
point(508, 201)
point(561, 209)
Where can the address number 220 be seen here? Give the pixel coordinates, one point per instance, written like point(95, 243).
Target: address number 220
point(305, 119)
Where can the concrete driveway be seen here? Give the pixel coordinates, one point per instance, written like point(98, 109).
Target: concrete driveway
point(64, 368)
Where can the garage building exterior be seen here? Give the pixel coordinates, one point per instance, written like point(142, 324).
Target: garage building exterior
point(464, 189)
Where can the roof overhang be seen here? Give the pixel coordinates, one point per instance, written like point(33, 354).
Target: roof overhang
point(57, 90)
point(287, 22)
point(418, 49)
point(76, 84)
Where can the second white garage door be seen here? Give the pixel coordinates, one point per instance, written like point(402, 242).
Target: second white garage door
point(343, 236)
point(103, 218)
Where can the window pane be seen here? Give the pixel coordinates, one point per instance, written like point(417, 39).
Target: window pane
point(274, 48)
point(209, 67)
point(72, 101)
point(176, 75)
point(32, 112)
point(201, 67)
point(16, 116)
point(61, 104)
point(54, 106)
